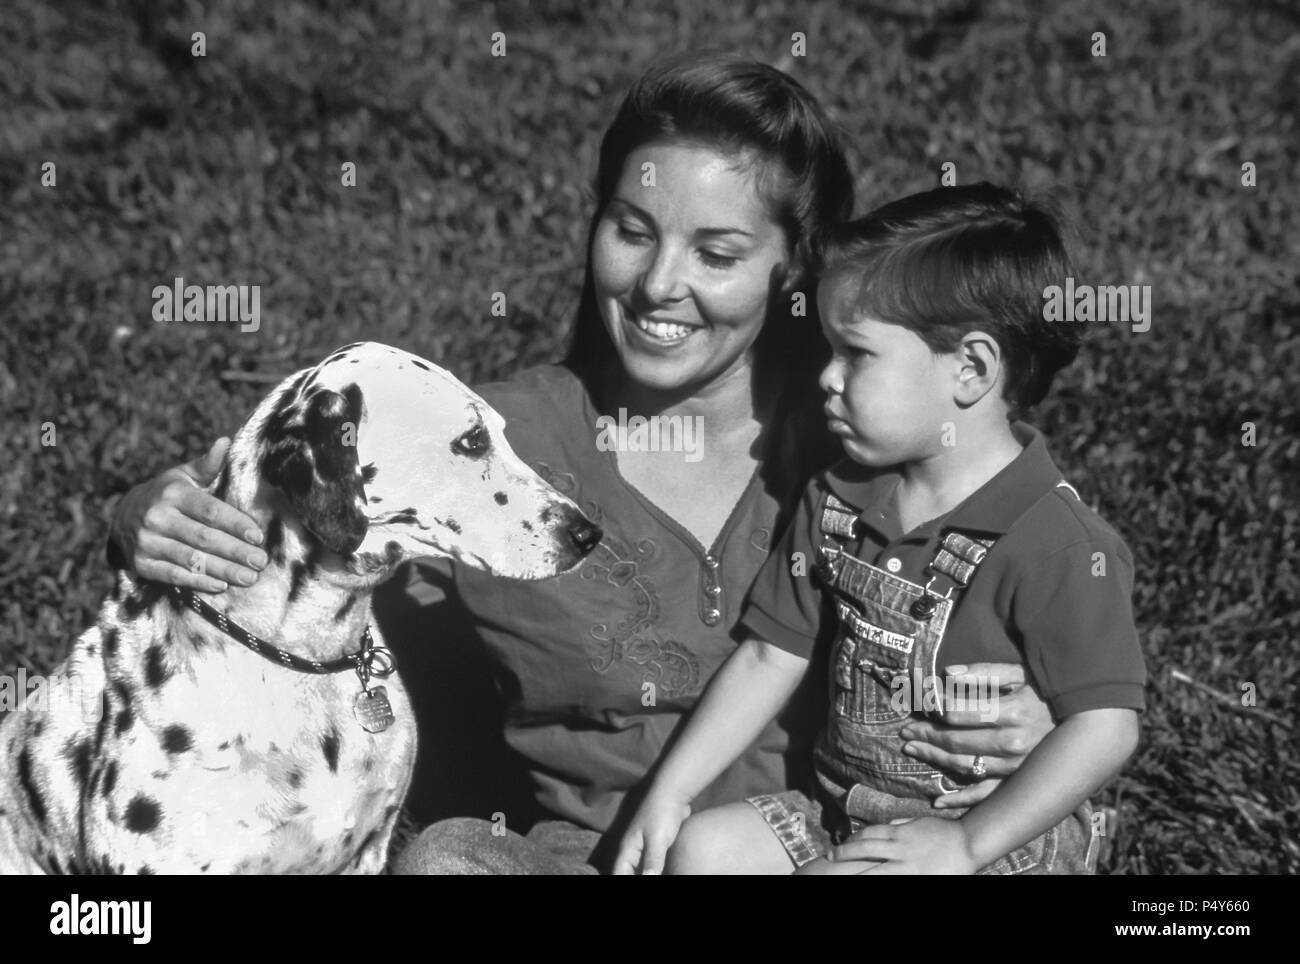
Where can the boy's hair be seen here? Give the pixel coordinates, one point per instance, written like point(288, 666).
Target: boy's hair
point(954, 260)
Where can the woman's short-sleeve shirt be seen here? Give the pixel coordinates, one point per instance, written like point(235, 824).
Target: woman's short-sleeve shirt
point(600, 665)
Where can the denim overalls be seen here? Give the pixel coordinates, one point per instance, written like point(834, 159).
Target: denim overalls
point(883, 673)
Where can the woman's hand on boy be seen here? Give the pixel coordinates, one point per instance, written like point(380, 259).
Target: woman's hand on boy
point(644, 846)
point(1001, 730)
point(925, 845)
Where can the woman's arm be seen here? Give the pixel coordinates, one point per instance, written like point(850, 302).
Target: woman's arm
point(160, 524)
point(1004, 742)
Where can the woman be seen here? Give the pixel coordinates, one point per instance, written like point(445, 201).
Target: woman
point(714, 181)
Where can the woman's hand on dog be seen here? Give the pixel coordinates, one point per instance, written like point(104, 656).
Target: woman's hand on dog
point(171, 531)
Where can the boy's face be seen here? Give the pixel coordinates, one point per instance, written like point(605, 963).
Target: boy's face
point(888, 394)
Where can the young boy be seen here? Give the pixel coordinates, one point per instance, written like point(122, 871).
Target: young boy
point(947, 538)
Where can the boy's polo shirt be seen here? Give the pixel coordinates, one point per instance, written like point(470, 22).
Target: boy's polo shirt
point(1054, 592)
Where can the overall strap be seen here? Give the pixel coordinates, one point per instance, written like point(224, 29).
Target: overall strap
point(958, 557)
point(838, 524)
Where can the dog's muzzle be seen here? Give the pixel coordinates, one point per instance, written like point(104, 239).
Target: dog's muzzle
point(583, 533)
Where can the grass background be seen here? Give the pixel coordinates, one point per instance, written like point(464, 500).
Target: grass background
point(472, 178)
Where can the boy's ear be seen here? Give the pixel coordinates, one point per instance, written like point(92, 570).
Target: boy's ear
point(979, 367)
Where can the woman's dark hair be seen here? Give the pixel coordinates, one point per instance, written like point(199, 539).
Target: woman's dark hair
point(954, 260)
point(746, 107)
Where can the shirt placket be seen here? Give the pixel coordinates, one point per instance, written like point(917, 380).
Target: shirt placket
point(710, 595)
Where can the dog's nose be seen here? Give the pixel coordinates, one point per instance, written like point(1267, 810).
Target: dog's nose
point(585, 535)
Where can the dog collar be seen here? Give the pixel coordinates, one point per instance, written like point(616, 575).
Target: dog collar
point(371, 707)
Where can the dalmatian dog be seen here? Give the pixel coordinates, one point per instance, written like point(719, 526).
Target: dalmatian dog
point(258, 730)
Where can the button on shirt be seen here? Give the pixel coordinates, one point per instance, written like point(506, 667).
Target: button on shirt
point(1054, 593)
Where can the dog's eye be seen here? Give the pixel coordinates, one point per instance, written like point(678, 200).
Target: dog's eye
point(475, 442)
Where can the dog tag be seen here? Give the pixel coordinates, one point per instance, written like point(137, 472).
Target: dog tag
point(372, 710)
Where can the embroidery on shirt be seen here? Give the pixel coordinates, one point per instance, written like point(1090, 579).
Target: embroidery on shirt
point(672, 667)
point(566, 484)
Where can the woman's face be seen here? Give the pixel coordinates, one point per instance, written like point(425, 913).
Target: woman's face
point(682, 264)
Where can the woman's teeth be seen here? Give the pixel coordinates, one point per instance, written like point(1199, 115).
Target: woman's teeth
point(662, 330)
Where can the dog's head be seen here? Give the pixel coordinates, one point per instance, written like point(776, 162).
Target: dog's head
point(383, 455)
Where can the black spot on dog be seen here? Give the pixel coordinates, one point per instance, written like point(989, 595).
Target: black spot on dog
point(101, 728)
point(142, 814)
point(355, 361)
point(297, 809)
point(347, 839)
point(79, 759)
point(345, 608)
point(339, 353)
point(421, 365)
point(142, 599)
point(295, 778)
point(110, 642)
point(96, 866)
point(145, 870)
point(356, 402)
point(368, 473)
point(527, 526)
point(309, 459)
point(274, 544)
point(390, 810)
point(375, 499)
point(290, 396)
point(297, 577)
point(501, 498)
point(137, 603)
point(223, 745)
point(329, 744)
point(156, 671)
point(125, 716)
point(110, 777)
point(404, 517)
point(177, 739)
point(204, 868)
point(29, 787)
point(451, 524)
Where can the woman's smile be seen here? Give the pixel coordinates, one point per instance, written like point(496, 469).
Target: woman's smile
point(658, 332)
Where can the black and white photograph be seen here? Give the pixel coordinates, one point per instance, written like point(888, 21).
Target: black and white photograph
point(651, 438)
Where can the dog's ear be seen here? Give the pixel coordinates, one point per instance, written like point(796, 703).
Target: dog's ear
point(311, 456)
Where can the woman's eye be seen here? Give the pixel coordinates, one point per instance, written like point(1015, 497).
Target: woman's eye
point(629, 232)
point(715, 260)
point(475, 442)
